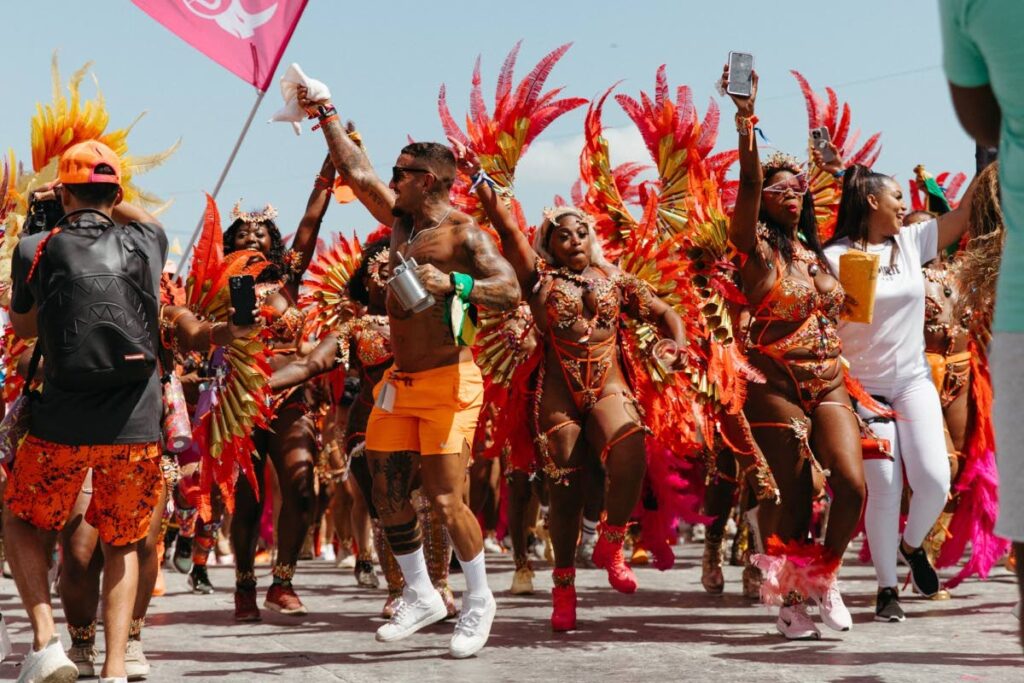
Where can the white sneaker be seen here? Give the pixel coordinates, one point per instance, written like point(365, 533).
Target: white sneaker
point(327, 553)
point(730, 528)
point(491, 545)
point(1016, 610)
point(795, 624)
point(84, 658)
point(474, 626)
point(49, 664)
point(833, 611)
point(522, 581)
point(697, 532)
point(410, 616)
point(114, 679)
point(585, 552)
point(346, 559)
point(6, 649)
point(135, 664)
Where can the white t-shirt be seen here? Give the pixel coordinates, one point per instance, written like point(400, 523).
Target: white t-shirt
point(891, 348)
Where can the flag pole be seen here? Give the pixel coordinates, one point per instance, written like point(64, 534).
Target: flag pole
point(223, 175)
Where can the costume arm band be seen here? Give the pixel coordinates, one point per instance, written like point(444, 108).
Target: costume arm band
point(463, 285)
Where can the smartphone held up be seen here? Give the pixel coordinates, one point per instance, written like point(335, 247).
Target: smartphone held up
point(243, 299)
point(821, 141)
point(741, 74)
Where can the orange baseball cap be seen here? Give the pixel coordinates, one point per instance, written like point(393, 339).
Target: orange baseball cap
point(78, 164)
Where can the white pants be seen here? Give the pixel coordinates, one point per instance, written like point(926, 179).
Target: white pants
point(919, 446)
point(1007, 362)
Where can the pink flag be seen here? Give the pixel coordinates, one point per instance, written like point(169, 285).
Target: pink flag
point(246, 37)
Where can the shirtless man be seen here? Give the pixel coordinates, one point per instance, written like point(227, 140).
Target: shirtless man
point(428, 403)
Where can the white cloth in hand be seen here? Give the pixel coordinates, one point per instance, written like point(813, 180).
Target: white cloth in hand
point(291, 112)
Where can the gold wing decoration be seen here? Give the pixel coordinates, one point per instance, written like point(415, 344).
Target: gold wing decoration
point(500, 140)
point(68, 120)
point(236, 399)
point(325, 289)
point(827, 111)
point(503, 343)
point(603, 199)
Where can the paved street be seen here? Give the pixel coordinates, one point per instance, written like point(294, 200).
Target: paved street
point(669, 630)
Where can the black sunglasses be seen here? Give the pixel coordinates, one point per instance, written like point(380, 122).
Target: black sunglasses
point(397, 172)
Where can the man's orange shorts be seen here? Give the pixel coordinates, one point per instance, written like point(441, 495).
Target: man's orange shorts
point(434, 412)
point(126, 485)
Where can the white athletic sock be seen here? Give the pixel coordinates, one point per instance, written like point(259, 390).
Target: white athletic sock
point(476, 576)
point(589, 529)
point(414, 571)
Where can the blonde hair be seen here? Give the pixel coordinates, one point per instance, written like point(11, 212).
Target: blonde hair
point(551, 217)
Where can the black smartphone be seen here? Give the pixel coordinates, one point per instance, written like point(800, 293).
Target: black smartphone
point(741, 71)
point(819, 140)
point(243, 299)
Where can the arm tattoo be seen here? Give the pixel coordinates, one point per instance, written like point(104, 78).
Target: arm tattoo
point(496, 286)
point(355, 169)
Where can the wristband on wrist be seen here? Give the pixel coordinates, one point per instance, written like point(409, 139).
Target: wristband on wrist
point(322, 183)
point(745, 127)
point(481, 177)
point(324, 121)
point(463, 284)
point(838, 175)
point(323, 112)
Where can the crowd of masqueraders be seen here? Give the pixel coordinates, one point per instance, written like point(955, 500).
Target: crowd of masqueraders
point(677, 348)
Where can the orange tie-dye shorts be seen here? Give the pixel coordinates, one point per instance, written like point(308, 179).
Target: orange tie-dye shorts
point(126, 484)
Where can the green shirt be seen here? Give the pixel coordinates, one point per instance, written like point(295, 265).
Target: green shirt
point(983, 44)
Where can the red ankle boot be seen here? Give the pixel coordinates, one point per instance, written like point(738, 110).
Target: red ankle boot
point(563, 599)
point(608, 555)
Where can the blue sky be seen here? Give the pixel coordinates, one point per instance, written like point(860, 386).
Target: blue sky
point(384, 63)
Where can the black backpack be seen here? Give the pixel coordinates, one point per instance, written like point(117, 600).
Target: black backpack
point(98, 312)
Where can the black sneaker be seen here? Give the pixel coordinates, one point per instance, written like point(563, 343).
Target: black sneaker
point(887, 606)
point(922, 574)
point(183, 555)
point(199, 580)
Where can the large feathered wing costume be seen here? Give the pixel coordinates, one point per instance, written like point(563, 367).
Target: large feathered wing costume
point(827, 111)
point(685, 214)
point(235, 400)
point(506, 345)
point(520, 115)
point(325, 289)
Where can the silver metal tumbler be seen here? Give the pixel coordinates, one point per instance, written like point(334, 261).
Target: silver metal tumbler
point(407, 287)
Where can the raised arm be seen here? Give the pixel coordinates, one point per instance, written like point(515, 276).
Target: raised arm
point(954, 224)
point(309, 227)
point(743, 226)
point(514, 244)
point(322, 359)
point(351, 161)
point(125, 213)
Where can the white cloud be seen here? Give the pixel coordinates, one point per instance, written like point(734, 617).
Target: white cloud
point(557, 162)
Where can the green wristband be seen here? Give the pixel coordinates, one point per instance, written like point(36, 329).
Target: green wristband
point(463, 285)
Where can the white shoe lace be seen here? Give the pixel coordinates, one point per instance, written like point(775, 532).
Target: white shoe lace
point(468, 622)
point(833, 598)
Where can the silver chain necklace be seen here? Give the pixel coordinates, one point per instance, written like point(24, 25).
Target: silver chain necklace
point(437, 224)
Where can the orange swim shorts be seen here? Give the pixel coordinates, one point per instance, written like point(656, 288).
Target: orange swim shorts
point(434, 412)
point(126, 485)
